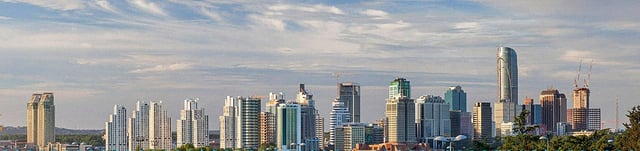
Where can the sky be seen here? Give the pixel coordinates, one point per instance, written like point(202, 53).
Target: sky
point(93, 54)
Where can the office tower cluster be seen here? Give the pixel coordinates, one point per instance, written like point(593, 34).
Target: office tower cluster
point(41, 120)
point(150, 127)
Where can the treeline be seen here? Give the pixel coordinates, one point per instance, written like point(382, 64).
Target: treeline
point(95, 140)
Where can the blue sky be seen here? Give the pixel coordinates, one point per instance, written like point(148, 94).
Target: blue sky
point(96, 53)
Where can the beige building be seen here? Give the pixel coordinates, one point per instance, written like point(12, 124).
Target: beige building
point(554, 108)
point(481, 119)
point(400, 126)
point(267, 128)
point(41, 120)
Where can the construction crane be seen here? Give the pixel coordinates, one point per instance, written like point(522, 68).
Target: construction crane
point(0, 125)
point(586, 81)
point(617, 116)
point(575, 81)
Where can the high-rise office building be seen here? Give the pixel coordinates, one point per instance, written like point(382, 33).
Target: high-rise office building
point(339, 116)
point(320, 131)
point(289, 126)
point(274, 100)
point(138, 127)
point(248, 122)
point(507, 75)
point(374, 134)
point(535, 111)
point(399, 87)
point(354, 133)
point(461, 123)
point(432, 118)
point(482, 124)
point(267, 128)
point(456, 98)
point(582, 117)
point(228, 123)
point(193, 126)
point(116, 130)
point(400, 116)
point(554, 108)
point(159, 127)
point(308, 114)
point(349, 94)
point(507, 64)
point(41, 120)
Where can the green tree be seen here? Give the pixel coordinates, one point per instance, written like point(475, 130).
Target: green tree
point(264, 146)
point(630, 139)
point(522, 140)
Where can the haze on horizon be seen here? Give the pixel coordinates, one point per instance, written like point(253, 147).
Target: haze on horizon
point(93, 54)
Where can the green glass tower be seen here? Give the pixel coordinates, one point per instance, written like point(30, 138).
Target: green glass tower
point(399, 87)
point(456, 98)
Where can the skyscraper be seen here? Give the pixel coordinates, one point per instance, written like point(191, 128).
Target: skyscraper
point(582, 117)
point(248, 123)
point(507, 69)
point(138, 127)
point(354, 133)
point(193, 125)
point(308, 113)
point(456, 98)
point(274, 100)
point(228, 124)
point(349, 94)
point(400, 126)
point(554, 108)
point(339, 116)
point(482, 124)
point(581, 98)
point(41, 119)
point(507, 75)
point(159, 127)
point(289, 126)
point(399, 87)
point(267, 128)
point(116, 130)
point(432, 118)
point(461, 123)
point(320, 130)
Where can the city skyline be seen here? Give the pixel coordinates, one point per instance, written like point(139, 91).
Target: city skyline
point(90, 54)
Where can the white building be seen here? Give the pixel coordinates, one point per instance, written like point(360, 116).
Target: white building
point(339, 115)
point(159, 127)
point(248, 123)
point(289, 126)
point(193, 126)
point(228, 124)
point(506, 129)
point(138, 127)
point(116, 130)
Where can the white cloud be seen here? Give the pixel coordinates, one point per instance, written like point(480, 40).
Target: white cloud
point(54, 4)
point(313, 9)
point(104, 4)
point(4, 18)
point(467, 26)
point(211, 14)
point(269, 22)
point(376, 14)
point(162, 68)
point(150, 7)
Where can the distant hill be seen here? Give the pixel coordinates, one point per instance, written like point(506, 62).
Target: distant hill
point(22, 130)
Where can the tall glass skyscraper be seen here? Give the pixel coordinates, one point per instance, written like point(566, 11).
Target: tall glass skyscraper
point(289, 126)
point(456, 98)
point(507, 66)
point(349, 94)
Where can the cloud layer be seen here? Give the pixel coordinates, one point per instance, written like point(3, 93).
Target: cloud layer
point(94, 54)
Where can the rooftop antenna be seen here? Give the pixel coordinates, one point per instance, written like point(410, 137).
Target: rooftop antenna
point(575, 82)
point(617, 116)
point(586, 81)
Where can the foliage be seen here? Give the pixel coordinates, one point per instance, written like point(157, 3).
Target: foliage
point(630, 139)
point(190, 147)
point(479, 145)
point(95, 140)
point(264, 146)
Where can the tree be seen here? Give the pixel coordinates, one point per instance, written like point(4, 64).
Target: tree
point(630, 139)
point(264, 146)
point(522, 140)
